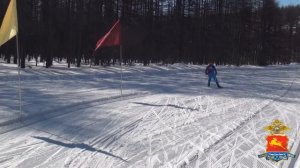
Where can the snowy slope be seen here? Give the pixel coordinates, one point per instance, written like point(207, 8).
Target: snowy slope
point(168, 117)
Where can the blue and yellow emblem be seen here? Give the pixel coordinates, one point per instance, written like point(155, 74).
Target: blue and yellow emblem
point(277, 142)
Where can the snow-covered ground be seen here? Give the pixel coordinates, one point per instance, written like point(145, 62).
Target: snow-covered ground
point(167, 116)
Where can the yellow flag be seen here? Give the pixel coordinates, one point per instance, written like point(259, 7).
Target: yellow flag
point(9, 27)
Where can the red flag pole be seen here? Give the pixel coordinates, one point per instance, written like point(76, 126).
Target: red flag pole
point(121, 69)
point(113, 38)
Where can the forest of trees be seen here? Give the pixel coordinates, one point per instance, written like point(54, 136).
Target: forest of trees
point(257, 32)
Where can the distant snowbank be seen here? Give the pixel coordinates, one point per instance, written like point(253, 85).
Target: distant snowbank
point(178, 120)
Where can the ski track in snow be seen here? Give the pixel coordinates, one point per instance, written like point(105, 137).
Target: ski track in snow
point(179, 123)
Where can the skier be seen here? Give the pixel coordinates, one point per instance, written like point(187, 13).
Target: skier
point(211, 71)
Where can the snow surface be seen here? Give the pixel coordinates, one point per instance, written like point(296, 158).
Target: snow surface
point(167, 116)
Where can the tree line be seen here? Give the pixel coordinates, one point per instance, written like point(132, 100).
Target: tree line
point(257, 32)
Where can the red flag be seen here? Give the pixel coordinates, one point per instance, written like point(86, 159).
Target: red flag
point(111, 38)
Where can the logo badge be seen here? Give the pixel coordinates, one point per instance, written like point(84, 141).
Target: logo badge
point(277, 142)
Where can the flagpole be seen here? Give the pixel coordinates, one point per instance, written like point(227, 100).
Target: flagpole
point(121, 60)
point(19, 75)
point(121, 69)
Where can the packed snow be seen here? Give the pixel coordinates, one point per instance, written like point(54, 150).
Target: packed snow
point(165, 117)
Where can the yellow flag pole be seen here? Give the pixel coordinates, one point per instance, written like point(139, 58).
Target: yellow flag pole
point(19, 66)
point(19, 75)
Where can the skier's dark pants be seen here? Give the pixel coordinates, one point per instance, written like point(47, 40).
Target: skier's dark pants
point(214, 77)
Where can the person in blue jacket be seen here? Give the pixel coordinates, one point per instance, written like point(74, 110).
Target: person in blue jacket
point(211, 71)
